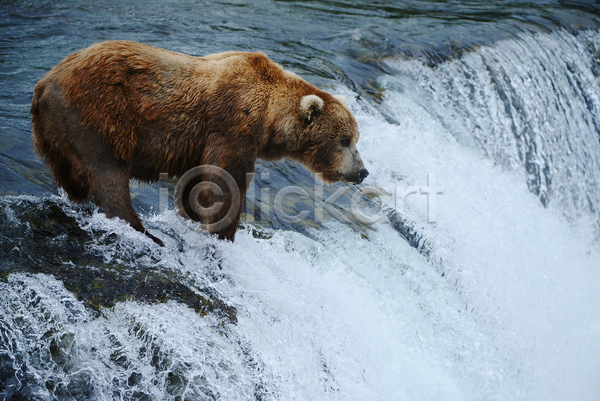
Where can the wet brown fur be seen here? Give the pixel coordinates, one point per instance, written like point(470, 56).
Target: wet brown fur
point(119, 110)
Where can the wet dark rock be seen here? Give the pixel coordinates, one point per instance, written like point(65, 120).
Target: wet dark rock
point(43, 236)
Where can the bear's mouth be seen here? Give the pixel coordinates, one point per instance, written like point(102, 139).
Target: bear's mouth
point(345, 180)
point(342, 179)
point(355, 178)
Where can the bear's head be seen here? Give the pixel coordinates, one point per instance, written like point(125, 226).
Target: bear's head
point(329, 139)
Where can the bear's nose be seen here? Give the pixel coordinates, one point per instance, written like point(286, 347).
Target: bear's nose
point(362, 174)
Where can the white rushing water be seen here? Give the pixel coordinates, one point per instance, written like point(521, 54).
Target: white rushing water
point(502, 302)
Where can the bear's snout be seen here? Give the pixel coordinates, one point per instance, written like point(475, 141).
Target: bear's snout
point(352, 169)
point(356, 177)
point(362, 174)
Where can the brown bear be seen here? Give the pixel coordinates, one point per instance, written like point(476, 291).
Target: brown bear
point(119, 110)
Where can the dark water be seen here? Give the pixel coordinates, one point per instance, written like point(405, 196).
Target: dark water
point(328, 42)
point(325, 41)
point(91, 272)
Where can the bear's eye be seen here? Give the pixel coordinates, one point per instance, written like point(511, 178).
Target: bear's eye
point(345, 142)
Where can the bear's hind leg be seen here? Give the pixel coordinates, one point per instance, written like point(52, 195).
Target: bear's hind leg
point(69, 173)
point(111, 194)
point(79, 158)
point(71, 179)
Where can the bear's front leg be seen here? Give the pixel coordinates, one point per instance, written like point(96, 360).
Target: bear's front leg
point(213, 194)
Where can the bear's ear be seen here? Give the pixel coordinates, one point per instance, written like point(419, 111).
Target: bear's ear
point(341, 99)
point(311, 105)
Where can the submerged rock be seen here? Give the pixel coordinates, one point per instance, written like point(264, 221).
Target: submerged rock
point(44, 236)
